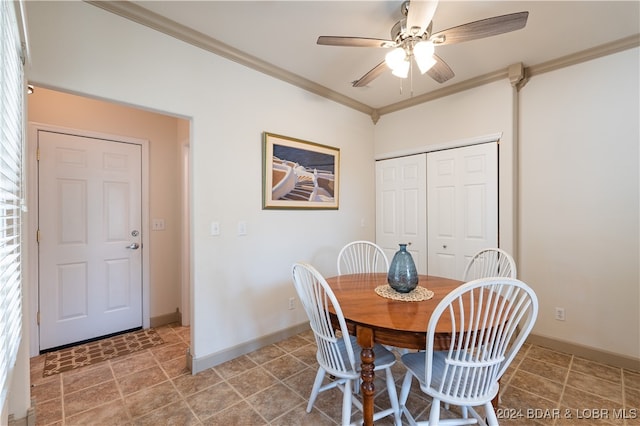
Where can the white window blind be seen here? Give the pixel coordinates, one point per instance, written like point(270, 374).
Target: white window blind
point(11, 149)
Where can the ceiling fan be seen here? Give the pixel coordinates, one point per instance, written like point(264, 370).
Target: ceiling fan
point(411, 37)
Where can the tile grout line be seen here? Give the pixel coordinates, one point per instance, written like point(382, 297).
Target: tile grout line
point(129, 416)
point(182, 398)
point(281, 381)
point(624, 399)
point(564, 386)
point(242, 397)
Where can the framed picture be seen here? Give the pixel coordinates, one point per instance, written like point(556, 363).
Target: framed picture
point(298, 174)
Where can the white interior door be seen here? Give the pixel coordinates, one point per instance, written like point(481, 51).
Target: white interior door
point(462, 199)
point(401, 207)
point(90, 254)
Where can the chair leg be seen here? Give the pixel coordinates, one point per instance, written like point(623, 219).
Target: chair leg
point(346, 403)
point(316, 388)
point(434, 414)
point(406, 387)
point(393, 396)
point(492, 420)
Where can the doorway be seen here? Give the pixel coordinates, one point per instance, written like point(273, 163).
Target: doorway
point(164, 136)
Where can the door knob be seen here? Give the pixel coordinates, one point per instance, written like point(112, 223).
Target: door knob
point(444, 246)
point(133, 246)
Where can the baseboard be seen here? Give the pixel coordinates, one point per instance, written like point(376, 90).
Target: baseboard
point(165, 319)
point(201, 364)
point(587, 352)
point(593, 354)
point(29, 420)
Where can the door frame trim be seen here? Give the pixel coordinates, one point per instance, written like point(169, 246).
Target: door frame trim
point(493, 137)
point(32, 281)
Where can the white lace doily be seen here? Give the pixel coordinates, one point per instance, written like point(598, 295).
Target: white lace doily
point(416, 295)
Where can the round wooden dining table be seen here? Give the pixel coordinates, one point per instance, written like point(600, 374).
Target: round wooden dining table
point(376, 319)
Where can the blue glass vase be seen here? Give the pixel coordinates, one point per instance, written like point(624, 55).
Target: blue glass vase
point(402, 276)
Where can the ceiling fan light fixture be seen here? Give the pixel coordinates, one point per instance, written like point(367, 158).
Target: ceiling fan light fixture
point(396, 58)
point(402, 69)
point(423, 53)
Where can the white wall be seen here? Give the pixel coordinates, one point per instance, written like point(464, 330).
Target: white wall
point(579, 192)
point(481, 111)
point(240, 284)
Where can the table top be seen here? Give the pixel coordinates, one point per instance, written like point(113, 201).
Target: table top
point(394, 322)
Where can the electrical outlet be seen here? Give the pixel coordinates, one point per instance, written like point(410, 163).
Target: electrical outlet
point(292, 303)
point(560, 314)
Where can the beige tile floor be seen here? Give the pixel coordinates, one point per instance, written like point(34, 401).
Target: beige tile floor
point(270, 387)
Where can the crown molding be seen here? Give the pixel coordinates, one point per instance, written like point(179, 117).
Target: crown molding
point(585, 55)
point(445, 91)
point(555, 64)
point(157, 22)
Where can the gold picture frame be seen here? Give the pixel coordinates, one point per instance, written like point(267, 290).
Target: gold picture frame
point(298, 174)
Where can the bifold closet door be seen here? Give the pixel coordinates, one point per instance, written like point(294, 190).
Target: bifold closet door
point(401, 210)
point(462, 206)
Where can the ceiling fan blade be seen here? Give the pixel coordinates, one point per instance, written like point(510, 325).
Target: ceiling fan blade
point(354, 41)
point(420, 15)
point(481, 29)
point(440, 72)
point(371, 75)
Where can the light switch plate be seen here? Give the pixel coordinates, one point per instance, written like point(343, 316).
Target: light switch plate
point(242, 228)
point(215, 228)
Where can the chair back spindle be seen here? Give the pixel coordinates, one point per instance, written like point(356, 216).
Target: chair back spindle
point(360, 257)
point(490, 262)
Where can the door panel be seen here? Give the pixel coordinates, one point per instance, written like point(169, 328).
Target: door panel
point(90, 281)
point(73, 290)
point(462, 197)
point(401, 207)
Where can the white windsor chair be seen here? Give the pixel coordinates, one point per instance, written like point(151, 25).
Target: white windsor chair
point(338, 354)
point(491, 318)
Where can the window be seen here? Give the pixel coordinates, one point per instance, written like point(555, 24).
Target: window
point(11, 154)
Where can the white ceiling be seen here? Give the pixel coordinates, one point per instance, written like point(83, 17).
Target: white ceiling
point(284, 34)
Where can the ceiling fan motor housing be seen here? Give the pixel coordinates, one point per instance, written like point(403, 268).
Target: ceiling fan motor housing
point(399, 32)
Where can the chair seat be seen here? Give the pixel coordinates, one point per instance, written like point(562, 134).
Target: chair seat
point(384, 358)
point(415, 362)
